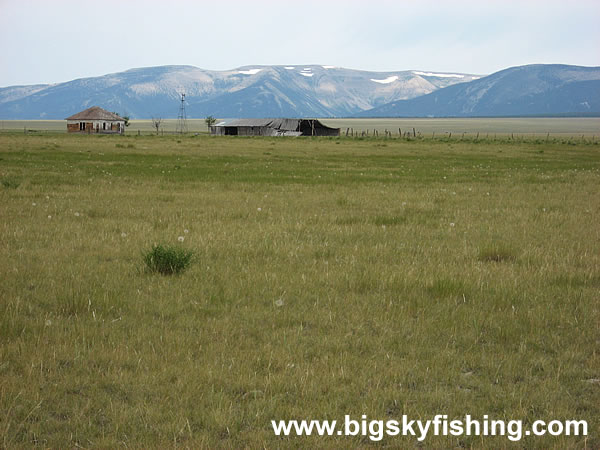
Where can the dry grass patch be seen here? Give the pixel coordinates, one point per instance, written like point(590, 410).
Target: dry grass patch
point(497, 252)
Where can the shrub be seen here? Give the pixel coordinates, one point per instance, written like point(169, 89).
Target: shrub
point(389, 220)
point(10, 183)
point(167, 260)
point(447, 287)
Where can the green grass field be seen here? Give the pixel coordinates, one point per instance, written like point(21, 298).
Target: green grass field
point(329, 277)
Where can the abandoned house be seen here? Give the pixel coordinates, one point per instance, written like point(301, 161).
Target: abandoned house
point(95, 120)
point(273, 127)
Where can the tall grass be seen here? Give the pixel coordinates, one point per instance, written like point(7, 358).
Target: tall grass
point(497, 252)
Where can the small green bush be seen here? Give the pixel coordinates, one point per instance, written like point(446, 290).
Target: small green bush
point(10, 183)
point(447, 287)
point(167, 260)
point(389, 220)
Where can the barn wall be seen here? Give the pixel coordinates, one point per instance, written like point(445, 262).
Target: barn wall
point(275, 127)
point(255, 131)
point(327, 132)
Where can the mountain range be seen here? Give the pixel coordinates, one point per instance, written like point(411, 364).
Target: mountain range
point(537, 89)
point(313, 91)
point(245, 92)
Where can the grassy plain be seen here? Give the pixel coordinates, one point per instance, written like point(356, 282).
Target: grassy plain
point(485, 127)
point(330, 277)
point(525, 128)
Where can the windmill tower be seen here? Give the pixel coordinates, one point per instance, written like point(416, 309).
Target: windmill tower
point(181, 118)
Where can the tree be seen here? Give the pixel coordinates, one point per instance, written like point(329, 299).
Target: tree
point(124, 117)
point(156, 121)
point(210, 121)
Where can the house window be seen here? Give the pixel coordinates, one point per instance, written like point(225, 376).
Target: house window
point(104, 125)
point(81, 126)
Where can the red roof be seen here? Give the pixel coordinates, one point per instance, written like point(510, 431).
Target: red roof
point(95, 113)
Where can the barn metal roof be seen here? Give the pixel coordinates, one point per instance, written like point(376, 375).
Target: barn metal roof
point(95, 113)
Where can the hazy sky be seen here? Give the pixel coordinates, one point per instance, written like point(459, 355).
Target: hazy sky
point(48, 41)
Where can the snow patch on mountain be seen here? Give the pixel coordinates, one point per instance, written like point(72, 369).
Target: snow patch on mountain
point(249, 72)
point(387, 80)
point(439, 75)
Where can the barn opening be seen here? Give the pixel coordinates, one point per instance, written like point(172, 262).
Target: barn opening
point(273, 127)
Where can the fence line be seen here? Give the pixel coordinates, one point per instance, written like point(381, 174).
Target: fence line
point(408, 135)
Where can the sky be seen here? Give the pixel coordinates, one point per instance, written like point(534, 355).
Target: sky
point(52, 41)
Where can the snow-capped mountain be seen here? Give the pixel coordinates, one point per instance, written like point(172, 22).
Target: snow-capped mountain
point(538, 89)
point(251, 91)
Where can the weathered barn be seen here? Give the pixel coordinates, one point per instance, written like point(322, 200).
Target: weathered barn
point(95, 120)
point(273, 127)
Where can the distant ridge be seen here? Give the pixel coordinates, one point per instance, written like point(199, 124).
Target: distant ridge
point(315, 91)
point(533, 90)
point(245, 92)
